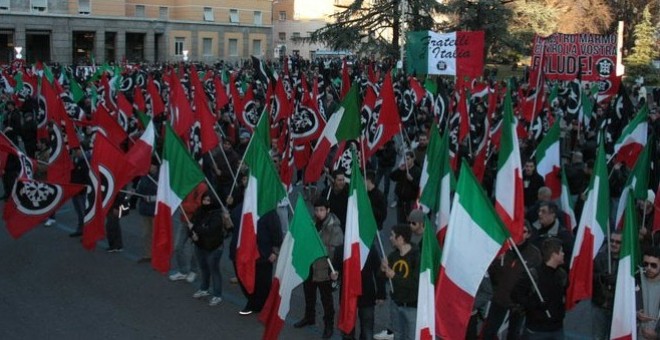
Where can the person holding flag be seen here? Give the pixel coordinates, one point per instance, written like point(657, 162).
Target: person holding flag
point(321, 274)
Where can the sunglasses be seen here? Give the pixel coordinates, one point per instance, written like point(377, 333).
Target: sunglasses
point(649, 264)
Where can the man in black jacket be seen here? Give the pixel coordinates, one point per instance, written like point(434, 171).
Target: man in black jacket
point(545, 318)
point(407, 178)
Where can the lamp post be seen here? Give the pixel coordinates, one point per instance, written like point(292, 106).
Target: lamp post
point(18, 50)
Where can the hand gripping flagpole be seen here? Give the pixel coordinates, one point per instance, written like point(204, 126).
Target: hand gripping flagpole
point(529, 274)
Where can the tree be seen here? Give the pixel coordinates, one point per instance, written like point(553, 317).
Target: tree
point(644, 35)
point(375, 25)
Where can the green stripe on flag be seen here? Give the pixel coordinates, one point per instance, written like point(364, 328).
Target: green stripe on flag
point(630, 238)
point(603, 199)
point(550, 138)
point(417, 58)
point(431, 251)
point(506, 146)
point(307, 246)
point(270, 189)
point(349, 126)
point(367, 221)
point(184, 172)
point(474, 200)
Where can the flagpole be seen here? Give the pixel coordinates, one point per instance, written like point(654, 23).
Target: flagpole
point(538, 81)
point(529, 274)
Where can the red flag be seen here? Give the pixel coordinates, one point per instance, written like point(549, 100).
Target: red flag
point(138, 100)
point(140, 154)
point(181, 114)
point(107, 97)
point(221, 98)
point(419, 91)
point(464, 114)
point(203, 114)
point(59, 162)
point(388, 121)
point(32, 202)
point(247, 115)
point(109, 126)
point(154, 98)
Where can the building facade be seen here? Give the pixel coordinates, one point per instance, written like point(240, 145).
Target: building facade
point(79, 31)
point(289, 24)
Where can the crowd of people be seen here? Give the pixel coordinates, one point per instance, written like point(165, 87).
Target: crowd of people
point(508, 303)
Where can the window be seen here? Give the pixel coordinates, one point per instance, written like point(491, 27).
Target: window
point(257, 17)
point(256, 47)
point(233, 15)
point(208, 14)
point(139, 11)
point(282, 15)
point(164, 13)
point(178, 45)
point(39, 5)
point(207, 46)
point(282, 36)
point(84, 6)
point(295, 35)
point(233, 47)
point(4, 5)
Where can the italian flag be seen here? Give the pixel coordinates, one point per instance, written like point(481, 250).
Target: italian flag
point(301, 247)
point(509, 194)
point(436, 181)
point(459, 53)
point(428, 276)
point(590, 234)
point(264, 190)
point(624, 318)
point(475, 235)
point(140, 153)
point(636, 185)
point(548, 160)
point(566, 206)
point(359, 236)
point(344, 124)
point(179, 175)
point(633, 138)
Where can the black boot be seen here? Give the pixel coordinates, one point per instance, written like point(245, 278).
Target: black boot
point(304, 322)
point(327, 330)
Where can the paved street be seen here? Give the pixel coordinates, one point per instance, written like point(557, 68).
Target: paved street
point(50, 287)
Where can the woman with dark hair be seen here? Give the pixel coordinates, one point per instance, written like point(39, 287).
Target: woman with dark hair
point(207, 231)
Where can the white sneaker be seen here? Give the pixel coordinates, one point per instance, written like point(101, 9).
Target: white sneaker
point(49, 222)
point(178, 276)
point(215, 301)
point(191, 277)
point(385, 334)
point(201, 293)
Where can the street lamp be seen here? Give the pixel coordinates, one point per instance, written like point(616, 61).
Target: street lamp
point(18, 50)
point(185, 55)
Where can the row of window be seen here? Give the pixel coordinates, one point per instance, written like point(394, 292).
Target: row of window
point(207, 47)
point(84, 7)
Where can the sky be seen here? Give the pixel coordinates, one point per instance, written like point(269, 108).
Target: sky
point(314, 9)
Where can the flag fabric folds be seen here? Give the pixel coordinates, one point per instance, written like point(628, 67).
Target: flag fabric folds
point(473, 220)
point(179, 175)
point(300, 248)
point(590, 234)
point(359, 236)
point(429, 267)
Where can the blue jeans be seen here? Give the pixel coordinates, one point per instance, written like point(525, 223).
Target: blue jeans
point(184, 262)
point(209, 267)
point(79, 207)
point(403, 321)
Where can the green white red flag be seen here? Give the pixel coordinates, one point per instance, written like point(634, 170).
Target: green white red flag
point(359, 236)
point(633, 138)
point(301, 247)
point(343, 125)
point(509, 194)
point(624, 316)
point(636, 185)
point(429, 267)
point(179, 175)
point(264, 190)
point(473, 221)
point(436, 181)
point(548, 160)
point(590, 234)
